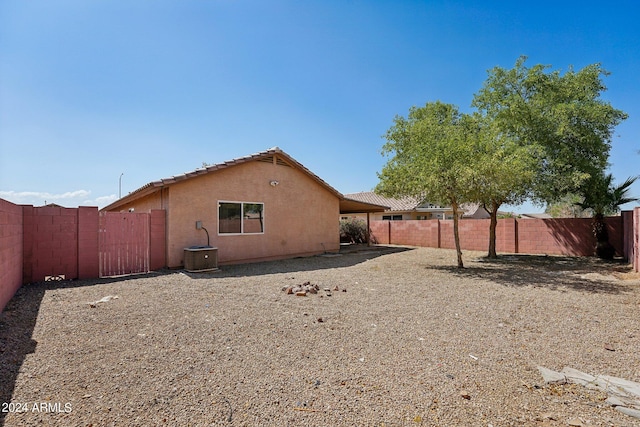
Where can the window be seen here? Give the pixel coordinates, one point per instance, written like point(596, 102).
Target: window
point(240, 218)
point(391, 217)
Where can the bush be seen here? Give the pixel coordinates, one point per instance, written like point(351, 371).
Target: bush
point(353, 230)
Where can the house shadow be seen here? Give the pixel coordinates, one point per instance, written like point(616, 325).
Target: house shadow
point(558, 273)
point(348, 256)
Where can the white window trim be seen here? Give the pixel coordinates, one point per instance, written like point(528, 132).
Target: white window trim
point(242, 203)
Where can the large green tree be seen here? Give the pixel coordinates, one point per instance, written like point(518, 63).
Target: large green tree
point(561, 117)
point(430, 157)
point(504, 171)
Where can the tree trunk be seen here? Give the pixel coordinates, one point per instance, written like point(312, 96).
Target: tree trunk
point(456, 234)
point(492, 230)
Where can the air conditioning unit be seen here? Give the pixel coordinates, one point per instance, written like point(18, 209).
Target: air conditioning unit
point(200, 259)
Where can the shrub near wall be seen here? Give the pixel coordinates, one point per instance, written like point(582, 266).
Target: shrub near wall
point(10, 250)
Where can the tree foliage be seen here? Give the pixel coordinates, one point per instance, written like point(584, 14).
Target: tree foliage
point(537, 134)
point(560, 116)
point(567, 207)
point(503, 171)
point(430, 158)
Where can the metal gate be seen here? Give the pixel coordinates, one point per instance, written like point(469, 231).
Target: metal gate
point(123, 243)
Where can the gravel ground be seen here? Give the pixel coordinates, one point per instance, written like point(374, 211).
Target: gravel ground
point(406, 340)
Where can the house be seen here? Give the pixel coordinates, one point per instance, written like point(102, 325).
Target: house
point(412, 208)
point(541, 215)
point(263, 206)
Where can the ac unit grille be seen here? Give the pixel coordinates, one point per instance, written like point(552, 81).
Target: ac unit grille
point(200, 259)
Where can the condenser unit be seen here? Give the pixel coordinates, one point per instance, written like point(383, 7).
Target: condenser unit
point(200, 259)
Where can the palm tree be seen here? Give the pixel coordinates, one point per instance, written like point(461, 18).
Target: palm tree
point(602, 198)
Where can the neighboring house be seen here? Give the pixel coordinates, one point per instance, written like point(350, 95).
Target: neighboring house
point(411, 208)
point(542, 215)
point(260, 207)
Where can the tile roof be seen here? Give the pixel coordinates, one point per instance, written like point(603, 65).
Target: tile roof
point(267, 155)
point(403, 204)
point(274, 153)
point(407, 204)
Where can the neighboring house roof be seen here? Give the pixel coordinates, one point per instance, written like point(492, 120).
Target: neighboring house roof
point(270, 155)
point(404, 204)
point(542, 215)
point(410, 204)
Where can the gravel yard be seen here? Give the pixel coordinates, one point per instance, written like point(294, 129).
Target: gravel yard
point(402, 338)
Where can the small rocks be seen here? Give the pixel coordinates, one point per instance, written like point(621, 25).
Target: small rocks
point(301, 290)
point(308, 288)
point(465, 395)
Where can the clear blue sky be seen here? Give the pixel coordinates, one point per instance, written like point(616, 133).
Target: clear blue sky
point(154, 88)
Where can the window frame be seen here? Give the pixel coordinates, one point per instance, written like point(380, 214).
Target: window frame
point(392, 217)
point(242, 218)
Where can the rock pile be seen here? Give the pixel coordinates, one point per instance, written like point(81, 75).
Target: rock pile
point(307, 288)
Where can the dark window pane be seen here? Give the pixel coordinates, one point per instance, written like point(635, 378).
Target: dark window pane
point(229, 218)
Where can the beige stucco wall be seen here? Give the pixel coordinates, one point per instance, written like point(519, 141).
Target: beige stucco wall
point(156, 200)
point(300, 215)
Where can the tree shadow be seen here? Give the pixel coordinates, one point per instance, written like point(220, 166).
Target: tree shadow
point(348, 256)
point(558, 273)
point(575, 235)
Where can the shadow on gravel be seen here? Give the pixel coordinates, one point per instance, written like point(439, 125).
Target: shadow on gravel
point(16, 327)
point(18, 321)
point(348, 256)
point(583, 274)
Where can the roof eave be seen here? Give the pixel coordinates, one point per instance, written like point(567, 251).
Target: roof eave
point(153, 186)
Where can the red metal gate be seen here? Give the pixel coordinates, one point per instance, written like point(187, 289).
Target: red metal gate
point(123, 243)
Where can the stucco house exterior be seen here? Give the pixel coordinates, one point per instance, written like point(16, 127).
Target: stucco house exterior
point(411, 208)
point(263, 206)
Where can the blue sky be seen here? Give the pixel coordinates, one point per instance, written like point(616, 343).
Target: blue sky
point(151, 88)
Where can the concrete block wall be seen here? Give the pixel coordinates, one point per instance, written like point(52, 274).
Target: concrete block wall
point(379, 232)
point(36, 242)
point(60, 242)
point(88, 249)
point(566, 236)
point(474, 234)
point(563, 236)
point(415, 233)
point(51, 235)
point(11, 250)
point(634, 256)
point(157, 240)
